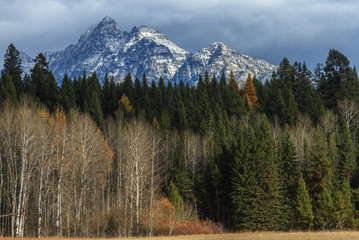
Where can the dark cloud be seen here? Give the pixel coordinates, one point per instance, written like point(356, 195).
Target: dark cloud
point(302, 30)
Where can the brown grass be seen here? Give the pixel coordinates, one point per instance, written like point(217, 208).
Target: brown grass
point(239, 236)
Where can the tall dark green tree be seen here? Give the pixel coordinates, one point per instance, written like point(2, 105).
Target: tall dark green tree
point(289, 174)
point(347, 159)
point(339, 80)
point(95, 110)
point(320, 171)
point(303, 208)
point(246, 190)
point(8, 91)
point(109, 104)
point(68, 98)
point(268, 178)
point(12, 65)
point(51, 95)
point(324, 211)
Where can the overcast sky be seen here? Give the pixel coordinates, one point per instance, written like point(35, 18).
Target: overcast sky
point(301, 30)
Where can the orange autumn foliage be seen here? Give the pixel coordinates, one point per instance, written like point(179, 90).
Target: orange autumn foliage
point(126, 102)
point(166, 222)
point(250, 94)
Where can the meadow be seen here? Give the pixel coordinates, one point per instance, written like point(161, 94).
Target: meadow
point(345, 235)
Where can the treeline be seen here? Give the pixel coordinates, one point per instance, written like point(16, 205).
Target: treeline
point(133, 158)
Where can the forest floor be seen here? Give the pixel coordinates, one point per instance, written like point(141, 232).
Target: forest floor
point(239, 236)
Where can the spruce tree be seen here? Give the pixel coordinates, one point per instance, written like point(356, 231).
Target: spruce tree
point(320, 171)
point(347, 159)
point(245, 187)
point(344, 214)
point(8, 91)
point(51, 95)
point(324, 209)
point(12, 66)
point(96, 111)
point(109, 105)
point(303, 209)
point(290, 113)
point(175, 198)
point(268, 178)
point(289, 175)
point(68, 98)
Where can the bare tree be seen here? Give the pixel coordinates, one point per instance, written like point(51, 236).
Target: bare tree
point(139, 153)
point(90, 164)
point(27, 141)
point(350, 110)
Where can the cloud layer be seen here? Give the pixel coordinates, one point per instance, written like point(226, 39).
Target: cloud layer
point(301, 30)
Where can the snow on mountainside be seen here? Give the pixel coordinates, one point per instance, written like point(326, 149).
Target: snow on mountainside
point(218, 58)
point(106, 48)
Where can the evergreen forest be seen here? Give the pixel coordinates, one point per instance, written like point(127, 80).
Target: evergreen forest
point(136, 158)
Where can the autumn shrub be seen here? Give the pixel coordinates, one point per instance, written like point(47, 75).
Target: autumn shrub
point(197, 227)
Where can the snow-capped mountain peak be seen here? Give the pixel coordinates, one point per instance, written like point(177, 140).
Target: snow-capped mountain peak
point(106, 48)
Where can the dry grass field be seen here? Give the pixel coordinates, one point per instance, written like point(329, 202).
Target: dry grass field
point(239, 236)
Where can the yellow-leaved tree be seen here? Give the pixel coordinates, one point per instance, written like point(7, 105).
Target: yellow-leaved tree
point(250, 94)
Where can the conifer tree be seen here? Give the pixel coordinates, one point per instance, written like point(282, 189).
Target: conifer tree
point(12, 66)
point(96, 111)
point(289, 175)
point(29, 86)
point(250, 94)
point(109, 96)
point(38, 79)
point(344, 208)
point(347, 160)
point(324, 209)
point(303, 209)
point(68, 98)
point(320, 171)
point(51, 95)
point(233, 100)
point(268, 175)
point(8, 91)
point(290, 113)
point(175, 198)
point(246, 190)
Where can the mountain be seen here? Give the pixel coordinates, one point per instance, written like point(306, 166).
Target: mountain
point(218, 58)
point(106, 48)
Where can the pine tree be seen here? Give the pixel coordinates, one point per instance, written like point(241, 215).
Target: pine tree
point(290, 113)
point(43, 63)
point(289, 175)
point(175, 198)
point(51, 95)
point(12, 66)
point(246, 190)
point(109, 105)
point(344, 214)
point(347, 159)
point(250, 94)
point(96, 111)
point(8, 91)
point(324, 209)
point(339, 80)
point(256, 195)
point(303, 208)
point(68, 98)
point(271, 199)
point(320, 171)
point(38, 79)
point(233, 101)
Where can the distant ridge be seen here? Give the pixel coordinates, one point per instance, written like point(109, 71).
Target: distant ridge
point(106, 48)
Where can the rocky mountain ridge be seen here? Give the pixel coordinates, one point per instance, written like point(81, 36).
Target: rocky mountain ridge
point(106, 48)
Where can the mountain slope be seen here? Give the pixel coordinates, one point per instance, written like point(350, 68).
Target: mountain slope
point(218, 58)
point(106, 48)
